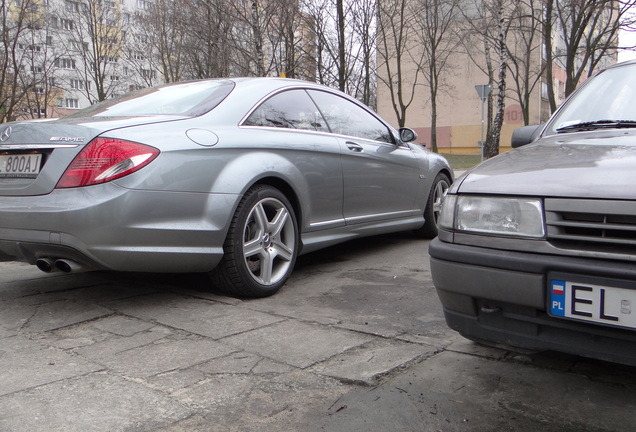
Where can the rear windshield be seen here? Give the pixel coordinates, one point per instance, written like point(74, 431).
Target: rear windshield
point(188, 99)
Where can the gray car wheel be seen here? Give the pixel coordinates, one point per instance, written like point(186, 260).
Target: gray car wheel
point(434, 206)
point(261, 245)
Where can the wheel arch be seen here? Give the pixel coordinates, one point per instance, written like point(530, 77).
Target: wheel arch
point(287, 190)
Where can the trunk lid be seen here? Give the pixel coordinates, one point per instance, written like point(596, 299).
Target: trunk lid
point(35, 154)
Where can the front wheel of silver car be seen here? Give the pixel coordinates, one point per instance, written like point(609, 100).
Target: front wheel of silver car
point(261, 246)
point(434, 205)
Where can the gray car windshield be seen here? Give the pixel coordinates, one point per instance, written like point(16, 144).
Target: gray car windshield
point(607, 101)
point(189, 99)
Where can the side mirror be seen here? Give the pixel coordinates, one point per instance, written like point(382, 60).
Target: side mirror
point(407, 135)
point(525, 135)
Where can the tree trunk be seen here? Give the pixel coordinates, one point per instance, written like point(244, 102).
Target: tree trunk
point(342, 53)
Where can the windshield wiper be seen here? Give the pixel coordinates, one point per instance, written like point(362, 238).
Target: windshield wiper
point(597, 124)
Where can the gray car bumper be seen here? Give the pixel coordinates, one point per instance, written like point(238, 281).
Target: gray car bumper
point(500, 297)
point(114, 228)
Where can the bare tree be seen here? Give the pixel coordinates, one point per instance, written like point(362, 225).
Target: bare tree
point(436, 23)
point(397, 47)
point(345, 44)
point(18, 19)
point(491, 21)
point(364, 22)
point(291, 41)
point(524, 52)
point(93, 31)
point(153, 46)
point(588, 30)
point(36, 78)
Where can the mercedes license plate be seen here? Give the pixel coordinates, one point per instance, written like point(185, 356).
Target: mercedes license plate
point(20, 165)
point(594, 303)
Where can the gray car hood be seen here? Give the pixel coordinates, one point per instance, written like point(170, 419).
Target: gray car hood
point(581, 165)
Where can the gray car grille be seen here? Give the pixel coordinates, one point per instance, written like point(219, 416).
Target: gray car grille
point(603, 226)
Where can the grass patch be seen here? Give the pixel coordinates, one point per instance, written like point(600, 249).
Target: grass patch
point(462, 161)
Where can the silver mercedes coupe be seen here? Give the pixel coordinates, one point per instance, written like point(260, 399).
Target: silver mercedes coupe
point(234, 177)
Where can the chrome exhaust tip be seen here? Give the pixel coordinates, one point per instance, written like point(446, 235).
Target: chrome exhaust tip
point(68, 266)
point(46, 265)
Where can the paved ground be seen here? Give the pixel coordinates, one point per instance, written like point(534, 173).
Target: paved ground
point(354, 342)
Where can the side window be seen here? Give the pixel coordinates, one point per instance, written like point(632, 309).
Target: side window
point(291, 109)
point(347, 118)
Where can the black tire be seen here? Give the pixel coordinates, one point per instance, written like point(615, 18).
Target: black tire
point(261, 245)
point(434, 206)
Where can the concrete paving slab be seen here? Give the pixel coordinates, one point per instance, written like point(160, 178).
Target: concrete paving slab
point(122, 325)
point(60, 314)
point(105, 346)
point(7, 333)
point(235, 363)
point(463, 345)
point(13, 315)
point(457, 392)
point(296, 343)
point(96, 403)
point(195, 423)
point(242, 402)
point(358, 299)
point(175, 382)
point(38, 283)
point(165, 356)
point(25, 364)
point(368, 363)
point(202, 317)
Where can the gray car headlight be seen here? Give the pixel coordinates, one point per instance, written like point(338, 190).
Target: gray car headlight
point(508, 216)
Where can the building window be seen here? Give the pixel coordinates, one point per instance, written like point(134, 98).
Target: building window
point(66, 24)
point(51, 81)
point(114, 78)
point(144, 4)
point(71, 103)
point(77, 84)
point(65, 63)
point(37, 69)
point(544, 91)
point(39, 90)
point(72, 6)
point(60, 102)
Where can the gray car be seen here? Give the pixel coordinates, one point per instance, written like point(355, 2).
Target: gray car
point(235, 177)
point(537, 247)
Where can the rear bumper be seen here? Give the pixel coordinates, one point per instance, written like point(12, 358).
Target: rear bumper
point(500, 297)
point(110, 227)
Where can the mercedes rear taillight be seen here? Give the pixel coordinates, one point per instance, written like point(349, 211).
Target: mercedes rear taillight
point(106, 159)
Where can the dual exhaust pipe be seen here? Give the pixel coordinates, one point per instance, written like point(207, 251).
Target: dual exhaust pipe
point(48, 265)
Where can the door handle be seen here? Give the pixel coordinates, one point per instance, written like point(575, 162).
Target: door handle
point(354, 147)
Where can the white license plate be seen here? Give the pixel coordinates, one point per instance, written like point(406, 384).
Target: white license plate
point(20, 165)
point(594, 303)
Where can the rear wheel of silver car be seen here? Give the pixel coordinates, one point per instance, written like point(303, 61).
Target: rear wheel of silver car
point(261, 246)
point(434, 206)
